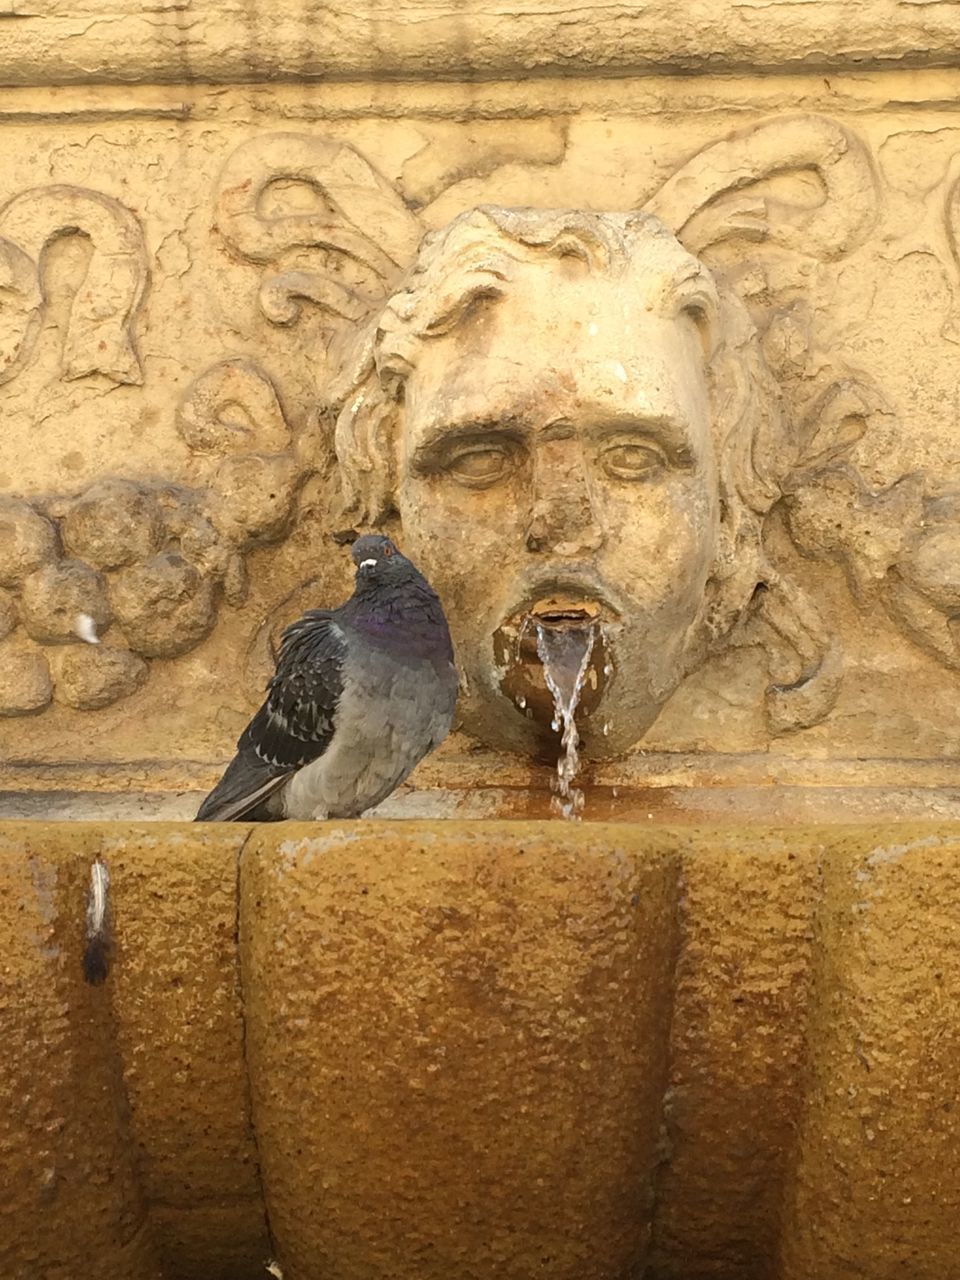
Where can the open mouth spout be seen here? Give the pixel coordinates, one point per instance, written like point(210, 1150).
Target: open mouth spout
point(554, 654)
point(554, 614)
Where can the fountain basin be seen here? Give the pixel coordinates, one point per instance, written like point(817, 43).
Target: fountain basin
point(489, 1049)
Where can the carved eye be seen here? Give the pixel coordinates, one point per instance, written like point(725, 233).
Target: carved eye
point(632, 461)
point(480, 467)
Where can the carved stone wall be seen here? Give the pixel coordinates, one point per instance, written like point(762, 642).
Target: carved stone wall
point(196, 228)
point(246, 251)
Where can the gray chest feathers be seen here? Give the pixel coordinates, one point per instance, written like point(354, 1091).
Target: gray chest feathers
point(388, 718)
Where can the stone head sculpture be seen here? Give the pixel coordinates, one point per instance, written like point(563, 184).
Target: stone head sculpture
point(562, 408)
point(571, 416)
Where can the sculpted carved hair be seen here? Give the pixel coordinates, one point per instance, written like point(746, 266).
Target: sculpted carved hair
point(472, 263)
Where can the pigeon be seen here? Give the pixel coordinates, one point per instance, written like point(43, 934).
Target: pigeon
point(360, 695)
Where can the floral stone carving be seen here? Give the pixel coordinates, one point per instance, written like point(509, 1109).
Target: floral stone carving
point(146, 563)
point(610, 412)
point(667, 396)
point(100, 331)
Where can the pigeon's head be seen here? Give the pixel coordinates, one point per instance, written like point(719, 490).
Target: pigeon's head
point(380, 564)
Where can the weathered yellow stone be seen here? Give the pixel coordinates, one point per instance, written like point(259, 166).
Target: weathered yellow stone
point(233, 40)
point(877, 1187)
point(71, 1203)
point(177, 1005)
point(467, 1047)
point(126, 1100)
point(738, 1050)
point(456, 1041)
point(489, 1050)
point(176, 355)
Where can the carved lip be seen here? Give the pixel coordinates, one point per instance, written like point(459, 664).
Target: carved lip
point(559, 611)
point(575, 602)
point(558, 603)
point(562, 604)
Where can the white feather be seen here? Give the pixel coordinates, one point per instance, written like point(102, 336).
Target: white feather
point(86, 628)
point(97, 900)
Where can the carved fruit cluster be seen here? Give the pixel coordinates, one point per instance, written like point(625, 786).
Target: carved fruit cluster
point(147, 567)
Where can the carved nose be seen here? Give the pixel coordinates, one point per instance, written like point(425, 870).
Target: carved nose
point(563, 520)
point(536, 535)
point(565, 526)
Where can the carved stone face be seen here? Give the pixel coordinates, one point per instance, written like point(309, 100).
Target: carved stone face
point(557, 443)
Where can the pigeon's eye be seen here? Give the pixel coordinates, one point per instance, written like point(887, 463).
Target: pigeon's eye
point(480, 466)
point(632, 461)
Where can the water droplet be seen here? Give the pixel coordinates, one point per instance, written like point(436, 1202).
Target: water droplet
point(606, 729)
point(608, 668)
point(521, 703)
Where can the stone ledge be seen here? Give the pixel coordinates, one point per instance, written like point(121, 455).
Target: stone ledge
point(229, 41)
point(473, 1046)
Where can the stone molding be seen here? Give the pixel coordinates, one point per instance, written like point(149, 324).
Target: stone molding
point(233, 42)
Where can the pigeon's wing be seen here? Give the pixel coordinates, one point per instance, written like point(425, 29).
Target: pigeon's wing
point(245, 785)
point(295, 724)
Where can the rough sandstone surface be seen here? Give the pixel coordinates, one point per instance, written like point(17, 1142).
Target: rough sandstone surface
point(96, 675)
point(112, 524)
point(486, 1050)
point(471, 1047)
point(27, 540)
point(126, 1146)
point(54, 597)
point(25, 685)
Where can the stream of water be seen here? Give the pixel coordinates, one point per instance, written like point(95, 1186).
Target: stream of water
point(565, 654)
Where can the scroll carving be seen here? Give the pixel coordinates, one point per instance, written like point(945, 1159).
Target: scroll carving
point(718, 194)
point(899, 546)
point(362, 235)
point(99, 335)
point(952, 220)
point(722, 196)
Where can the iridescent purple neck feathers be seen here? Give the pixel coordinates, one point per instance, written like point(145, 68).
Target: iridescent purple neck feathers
point(404, 618)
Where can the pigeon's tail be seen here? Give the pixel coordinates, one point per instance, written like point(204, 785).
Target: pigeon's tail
point(243, 787)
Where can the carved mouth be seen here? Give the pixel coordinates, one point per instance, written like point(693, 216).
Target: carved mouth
point(557, 611)
point(515, 649)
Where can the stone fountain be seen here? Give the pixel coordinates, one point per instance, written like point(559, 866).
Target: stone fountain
point(651, 375)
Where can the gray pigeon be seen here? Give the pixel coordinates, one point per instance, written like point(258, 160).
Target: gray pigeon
point(360, 695)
